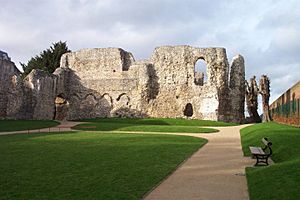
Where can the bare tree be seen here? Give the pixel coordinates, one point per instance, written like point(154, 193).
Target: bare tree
point(252, 92)
point(264, 90)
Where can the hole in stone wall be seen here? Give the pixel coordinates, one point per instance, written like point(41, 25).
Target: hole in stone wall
point(126, 60)
point(200, 72)
point(61, 107)
point(188, 110)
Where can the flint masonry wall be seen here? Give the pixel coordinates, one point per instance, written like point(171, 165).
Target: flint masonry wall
point(31, 98)
point(8, 81)
point(108, 82)
point(104, 82)
point(175, 69)
point(237, 89)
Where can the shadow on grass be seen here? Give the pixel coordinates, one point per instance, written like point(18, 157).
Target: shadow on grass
point(131, 121)
point(113, 124)
point(19, 125)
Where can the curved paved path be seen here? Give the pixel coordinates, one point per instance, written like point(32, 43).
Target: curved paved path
point(216, 171)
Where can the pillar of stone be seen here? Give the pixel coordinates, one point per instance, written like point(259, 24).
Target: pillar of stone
point(237, 89)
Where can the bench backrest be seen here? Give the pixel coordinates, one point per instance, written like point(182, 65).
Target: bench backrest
point(266, 142)
point(268, 145)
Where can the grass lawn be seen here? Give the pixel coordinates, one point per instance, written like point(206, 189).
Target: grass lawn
point(81, 165)
point(19, 125)
point(281, 180)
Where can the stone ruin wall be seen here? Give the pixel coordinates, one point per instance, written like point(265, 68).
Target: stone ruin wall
point(175, 68)
point(8, 79)
point(108, 82)
point(103, 83)
point(31, 98)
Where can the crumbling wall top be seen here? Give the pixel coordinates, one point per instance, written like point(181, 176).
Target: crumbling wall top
point(105, 62)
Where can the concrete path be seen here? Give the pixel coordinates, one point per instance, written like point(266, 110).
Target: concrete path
point(216, 171)
point(63, 126)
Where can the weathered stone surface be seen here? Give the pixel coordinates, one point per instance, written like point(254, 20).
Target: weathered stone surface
point(264, 90)
point(109, 82)
point(175, 69)
point(104, 82)
point(252, 92)
point(237, 88)
point(9, 77)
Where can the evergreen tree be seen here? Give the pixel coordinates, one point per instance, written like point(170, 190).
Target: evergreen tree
point(48, 60)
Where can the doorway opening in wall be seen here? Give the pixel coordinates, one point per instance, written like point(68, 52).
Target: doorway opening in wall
point(188, 110)
point(200, 72)
point(61, 107)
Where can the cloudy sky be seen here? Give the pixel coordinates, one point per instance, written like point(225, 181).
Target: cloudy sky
point(266, 33)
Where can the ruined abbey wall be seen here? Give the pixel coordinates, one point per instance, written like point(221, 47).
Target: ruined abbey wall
point(103, 82)
point(175, 69)
point(108, 82)
point(8, 79)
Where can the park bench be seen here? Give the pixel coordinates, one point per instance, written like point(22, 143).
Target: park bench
point(262, 154)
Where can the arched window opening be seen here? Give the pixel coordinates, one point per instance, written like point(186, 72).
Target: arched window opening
point(200, 72)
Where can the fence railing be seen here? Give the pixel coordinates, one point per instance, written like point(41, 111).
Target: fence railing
point(287, 113)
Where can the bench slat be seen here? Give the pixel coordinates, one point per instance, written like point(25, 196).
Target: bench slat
point(262, 154)
point(257, 151)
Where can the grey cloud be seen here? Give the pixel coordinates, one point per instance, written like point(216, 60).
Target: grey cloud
point(264, 32)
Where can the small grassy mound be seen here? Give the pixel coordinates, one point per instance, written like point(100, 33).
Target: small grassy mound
point(281, 180)
point(80, 165)
point(19, 125)
point(151, 125)
point(142, 128)
point(160, 121)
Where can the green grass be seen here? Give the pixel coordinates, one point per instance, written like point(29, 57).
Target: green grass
point(281, 180)
point(142, 128)
point(19, 125)
point(160, 121)
point(80, 165)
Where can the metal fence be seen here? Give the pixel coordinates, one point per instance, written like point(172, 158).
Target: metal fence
point(288, 113)
point(288, 109)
